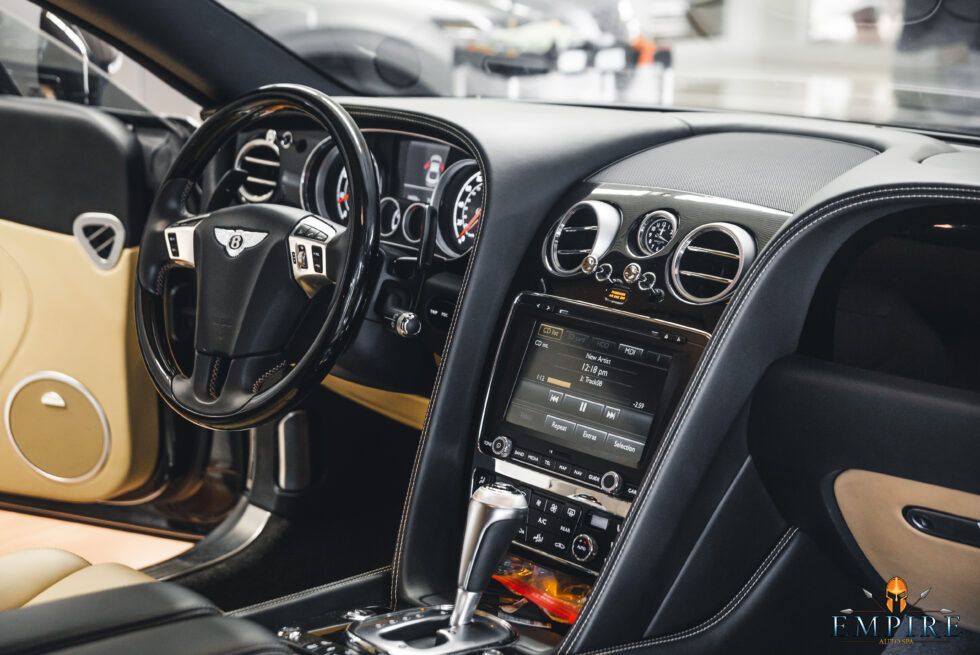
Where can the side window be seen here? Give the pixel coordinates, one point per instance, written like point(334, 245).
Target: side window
point(43, 55)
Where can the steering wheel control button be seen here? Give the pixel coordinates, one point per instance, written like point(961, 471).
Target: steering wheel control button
point(589, 265)
point(180, 243)
point(502, 446)
point(604, 272)
point(308, 254)
point(584, 548)
point(647, 281)
point(611, 482)
point(632, 273)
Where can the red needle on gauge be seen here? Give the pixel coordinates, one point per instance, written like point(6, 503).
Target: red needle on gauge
point(343, 198)
point(473, 221)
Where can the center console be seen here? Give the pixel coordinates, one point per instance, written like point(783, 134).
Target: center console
point(578, 400)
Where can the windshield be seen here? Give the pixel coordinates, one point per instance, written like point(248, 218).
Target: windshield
point(903, 62)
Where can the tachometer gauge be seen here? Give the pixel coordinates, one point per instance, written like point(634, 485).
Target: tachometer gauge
point(459, 200)
point(655, 232)
point(324, 184)
point(343, 195)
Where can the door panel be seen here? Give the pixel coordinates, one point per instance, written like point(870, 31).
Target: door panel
point(80, 416)
point(60, 313)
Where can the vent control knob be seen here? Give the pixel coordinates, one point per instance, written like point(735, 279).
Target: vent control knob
point(647, 281)
point(632, 273)
point(589, 264)
point(604, 272)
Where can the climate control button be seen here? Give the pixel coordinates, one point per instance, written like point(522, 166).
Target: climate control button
point(584, 548)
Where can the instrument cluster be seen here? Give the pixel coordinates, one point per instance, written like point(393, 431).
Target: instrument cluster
point(416, 176)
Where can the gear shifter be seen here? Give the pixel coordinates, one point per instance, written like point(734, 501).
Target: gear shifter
point(495, 513)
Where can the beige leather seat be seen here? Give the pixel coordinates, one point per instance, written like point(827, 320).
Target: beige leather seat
point(40, 575)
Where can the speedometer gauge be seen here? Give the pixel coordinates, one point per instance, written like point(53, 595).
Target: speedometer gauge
point(459, 199)
point(467, 210)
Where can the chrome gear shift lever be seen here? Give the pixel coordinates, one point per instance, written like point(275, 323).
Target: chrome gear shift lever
point(495, 513)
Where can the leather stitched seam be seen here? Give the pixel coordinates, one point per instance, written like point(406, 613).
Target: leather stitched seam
point(265, 376)
point(336, 584)
point(720, 336)
point(162, 278)
point(213, 379)
point(429, 122)
point(721, 615)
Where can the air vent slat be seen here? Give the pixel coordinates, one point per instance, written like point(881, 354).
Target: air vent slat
point(706, 276)
point(259, 159)
point(709, 262)
point(712, 251)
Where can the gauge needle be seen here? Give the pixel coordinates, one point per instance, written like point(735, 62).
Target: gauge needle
point(343, 198)
point(473, 221)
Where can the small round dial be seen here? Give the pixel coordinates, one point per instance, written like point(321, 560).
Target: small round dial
point(656, 231)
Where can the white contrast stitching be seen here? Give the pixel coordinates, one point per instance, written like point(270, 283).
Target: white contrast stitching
point(796, 229)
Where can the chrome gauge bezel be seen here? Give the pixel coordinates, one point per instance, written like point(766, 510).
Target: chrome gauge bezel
point(633, 244)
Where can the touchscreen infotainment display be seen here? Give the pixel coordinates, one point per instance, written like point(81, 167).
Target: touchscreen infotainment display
point(588, 393)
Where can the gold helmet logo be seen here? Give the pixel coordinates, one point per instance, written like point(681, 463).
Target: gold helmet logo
point(896, 591)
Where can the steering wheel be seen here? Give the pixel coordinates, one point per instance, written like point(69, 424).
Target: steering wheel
point(279, 290)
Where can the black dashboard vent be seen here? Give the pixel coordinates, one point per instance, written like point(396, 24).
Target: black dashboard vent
point(588, 228)
point(259, 159)
point(709, 262)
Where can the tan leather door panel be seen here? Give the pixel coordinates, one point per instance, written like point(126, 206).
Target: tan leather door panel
point(85, 429)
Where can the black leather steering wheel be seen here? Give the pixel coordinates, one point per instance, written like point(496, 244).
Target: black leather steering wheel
point(279, 291)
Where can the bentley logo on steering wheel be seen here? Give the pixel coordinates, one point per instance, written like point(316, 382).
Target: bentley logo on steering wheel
point(235, 241)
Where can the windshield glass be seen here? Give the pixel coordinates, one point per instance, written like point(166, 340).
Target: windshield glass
point(902, 62)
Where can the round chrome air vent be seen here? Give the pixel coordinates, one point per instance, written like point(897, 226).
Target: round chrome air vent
point(587, 228)
point(709, 262)
point(259, 159)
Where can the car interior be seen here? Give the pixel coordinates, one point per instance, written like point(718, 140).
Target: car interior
point(357, 373)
